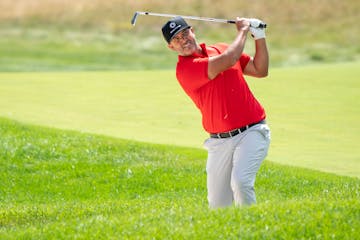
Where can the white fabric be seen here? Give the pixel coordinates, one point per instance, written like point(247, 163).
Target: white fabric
point(254, 22)
point(232, 165)
point(257, 33)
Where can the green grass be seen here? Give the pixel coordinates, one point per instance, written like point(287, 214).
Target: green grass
point(58, 184)
point(313, 111)
point(47, 35)
point(38, 49)
point(50, 49)
point(91, 35)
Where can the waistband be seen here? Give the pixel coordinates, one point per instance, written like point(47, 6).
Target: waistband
point(235, 132)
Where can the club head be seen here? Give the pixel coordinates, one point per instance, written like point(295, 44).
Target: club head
point(133, 20)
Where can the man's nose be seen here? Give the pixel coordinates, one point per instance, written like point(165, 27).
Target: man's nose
point(182, 39)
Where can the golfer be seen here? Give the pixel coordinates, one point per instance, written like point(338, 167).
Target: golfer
point(213, 77)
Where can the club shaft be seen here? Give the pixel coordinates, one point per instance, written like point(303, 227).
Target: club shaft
point(186, 17)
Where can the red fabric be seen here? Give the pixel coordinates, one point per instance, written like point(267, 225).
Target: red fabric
point(226, 102)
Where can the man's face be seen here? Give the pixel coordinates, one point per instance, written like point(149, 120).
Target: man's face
point(184, 42)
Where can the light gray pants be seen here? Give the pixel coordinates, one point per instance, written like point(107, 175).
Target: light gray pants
point(232, 165)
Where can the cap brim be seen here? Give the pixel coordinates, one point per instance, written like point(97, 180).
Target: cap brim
point(179, 30)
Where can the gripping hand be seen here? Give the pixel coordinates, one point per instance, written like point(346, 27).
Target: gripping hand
point(256, 33)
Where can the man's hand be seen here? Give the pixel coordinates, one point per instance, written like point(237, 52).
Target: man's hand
point(256, 33)
point(242, 24)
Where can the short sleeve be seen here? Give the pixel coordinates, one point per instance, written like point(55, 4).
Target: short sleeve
point(192, 73)
point(244, 60)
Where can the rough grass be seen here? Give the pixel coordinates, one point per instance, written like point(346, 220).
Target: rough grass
point(64, 185)
point(290, 14)
point(40, 50)
point(90, 35)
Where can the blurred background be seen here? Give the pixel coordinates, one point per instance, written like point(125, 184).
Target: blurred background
point(64, 35)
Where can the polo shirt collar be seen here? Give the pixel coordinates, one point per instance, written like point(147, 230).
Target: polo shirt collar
point(203, 54)
point(204, 51)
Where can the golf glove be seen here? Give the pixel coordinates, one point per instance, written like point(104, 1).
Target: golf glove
point(256, 33)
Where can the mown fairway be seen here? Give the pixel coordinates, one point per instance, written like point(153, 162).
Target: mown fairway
point(64, 185)
point(313, 111)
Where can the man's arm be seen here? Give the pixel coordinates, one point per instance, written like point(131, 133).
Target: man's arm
point(231, 55)
point(258, 65)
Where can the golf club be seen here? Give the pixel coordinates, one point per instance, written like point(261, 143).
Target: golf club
point(133, 20)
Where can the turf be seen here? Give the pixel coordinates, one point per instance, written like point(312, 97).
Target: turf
point(58, 184)
point(313, 111)
point(48, 35)
point(50, 49)
point(39, 49)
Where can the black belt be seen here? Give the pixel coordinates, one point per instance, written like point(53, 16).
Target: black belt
point(234, 132)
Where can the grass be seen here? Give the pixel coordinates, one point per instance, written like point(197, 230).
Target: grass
point(52, 35)
point(48, 50)
point(312, 111)
point(58, 184)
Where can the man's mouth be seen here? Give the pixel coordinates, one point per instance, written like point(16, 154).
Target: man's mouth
point(187, 44)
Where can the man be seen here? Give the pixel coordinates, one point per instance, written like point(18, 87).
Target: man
point(212, 76)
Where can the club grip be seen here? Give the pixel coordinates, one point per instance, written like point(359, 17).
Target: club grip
point(261, 25)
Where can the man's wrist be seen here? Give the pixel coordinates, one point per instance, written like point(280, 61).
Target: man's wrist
point(257, 33)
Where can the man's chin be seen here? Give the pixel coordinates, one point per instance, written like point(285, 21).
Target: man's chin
point(188, 51)
point(185, 54)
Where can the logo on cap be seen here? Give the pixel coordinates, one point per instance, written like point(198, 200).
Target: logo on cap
point(174, 27)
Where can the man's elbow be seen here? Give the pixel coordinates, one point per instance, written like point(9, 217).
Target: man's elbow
point(262, 74)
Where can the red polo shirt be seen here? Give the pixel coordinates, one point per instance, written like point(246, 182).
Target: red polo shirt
point(226, 102)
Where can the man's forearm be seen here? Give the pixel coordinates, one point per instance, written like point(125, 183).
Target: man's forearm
point(220, 63)
point(231, 55)
point(236, 48)
point(261, 58)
